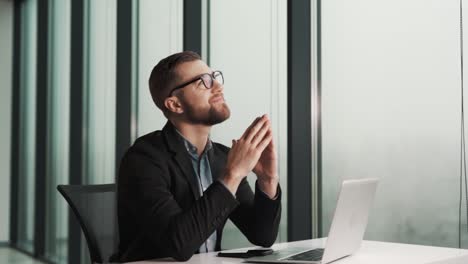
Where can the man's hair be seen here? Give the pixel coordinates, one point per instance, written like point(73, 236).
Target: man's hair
point(164, 76)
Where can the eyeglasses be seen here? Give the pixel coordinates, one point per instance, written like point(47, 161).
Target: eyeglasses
point(207, 79)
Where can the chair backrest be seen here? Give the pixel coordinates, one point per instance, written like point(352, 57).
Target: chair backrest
point(95, 208)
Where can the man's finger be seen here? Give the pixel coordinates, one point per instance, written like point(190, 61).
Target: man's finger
point(261, 133)
point(254, 130)
point(272, 142)
point(250, 127)
point(265, 141)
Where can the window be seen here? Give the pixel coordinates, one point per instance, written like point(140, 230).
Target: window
point(100, 87)
point(159, 35)
point(390, 109)
point(27, 125)
point(251, 52)
point(58, 130)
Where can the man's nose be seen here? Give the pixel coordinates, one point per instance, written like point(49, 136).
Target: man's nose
point(217, 86)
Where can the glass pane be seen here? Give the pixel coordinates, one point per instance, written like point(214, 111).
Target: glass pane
point(27, 123)
point(6, 66)
point(58, 130)
point(252, 54)
point(158, 20)
point(391, 109)
point(101, 91)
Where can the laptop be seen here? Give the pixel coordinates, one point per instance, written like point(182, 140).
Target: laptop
point(346, 231)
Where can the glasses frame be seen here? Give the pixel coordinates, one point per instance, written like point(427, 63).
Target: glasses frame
point(199, 77)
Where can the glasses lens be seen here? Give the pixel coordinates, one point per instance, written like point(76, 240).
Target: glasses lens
point(207, 81)
point(218, 77)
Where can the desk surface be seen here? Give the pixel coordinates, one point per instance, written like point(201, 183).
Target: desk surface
point(371, 252)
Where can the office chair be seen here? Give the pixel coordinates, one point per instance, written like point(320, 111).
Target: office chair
point(95, 208)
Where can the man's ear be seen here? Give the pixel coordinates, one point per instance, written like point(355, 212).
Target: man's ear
point(173, 105)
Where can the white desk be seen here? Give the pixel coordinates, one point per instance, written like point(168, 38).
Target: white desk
point(371, 252)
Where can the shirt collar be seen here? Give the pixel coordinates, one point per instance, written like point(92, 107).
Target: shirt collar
point(190, 147)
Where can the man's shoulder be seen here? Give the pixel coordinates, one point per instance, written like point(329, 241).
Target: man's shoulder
point(155, 137)
point(151, 144)
point(220, 147)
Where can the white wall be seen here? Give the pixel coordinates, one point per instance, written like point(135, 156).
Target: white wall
point(6, 53)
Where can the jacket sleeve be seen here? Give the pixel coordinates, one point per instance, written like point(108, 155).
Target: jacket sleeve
point(257, 216)
point(145, 187)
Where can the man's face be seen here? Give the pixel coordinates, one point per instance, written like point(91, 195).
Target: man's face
point(201, 105)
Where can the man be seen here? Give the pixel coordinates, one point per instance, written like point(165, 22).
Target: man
point(177, 188)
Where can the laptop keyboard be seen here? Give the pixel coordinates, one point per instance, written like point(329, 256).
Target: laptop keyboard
point(310, 255)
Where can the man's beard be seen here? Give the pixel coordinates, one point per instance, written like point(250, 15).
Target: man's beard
point(214, 115)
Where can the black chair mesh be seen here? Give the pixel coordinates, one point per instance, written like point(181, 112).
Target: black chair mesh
point(95, 208)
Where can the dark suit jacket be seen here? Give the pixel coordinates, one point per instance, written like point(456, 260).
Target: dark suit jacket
point(161, 212)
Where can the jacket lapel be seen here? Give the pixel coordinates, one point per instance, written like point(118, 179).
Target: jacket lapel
point(181, 157)
point(217, 162)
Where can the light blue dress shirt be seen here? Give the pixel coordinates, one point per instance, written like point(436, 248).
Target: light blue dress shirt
point(201, 166)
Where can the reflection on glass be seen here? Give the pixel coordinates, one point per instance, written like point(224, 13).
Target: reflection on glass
point(251, 52)
point(27, 125)
point(58, 130)
point(101, 95)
